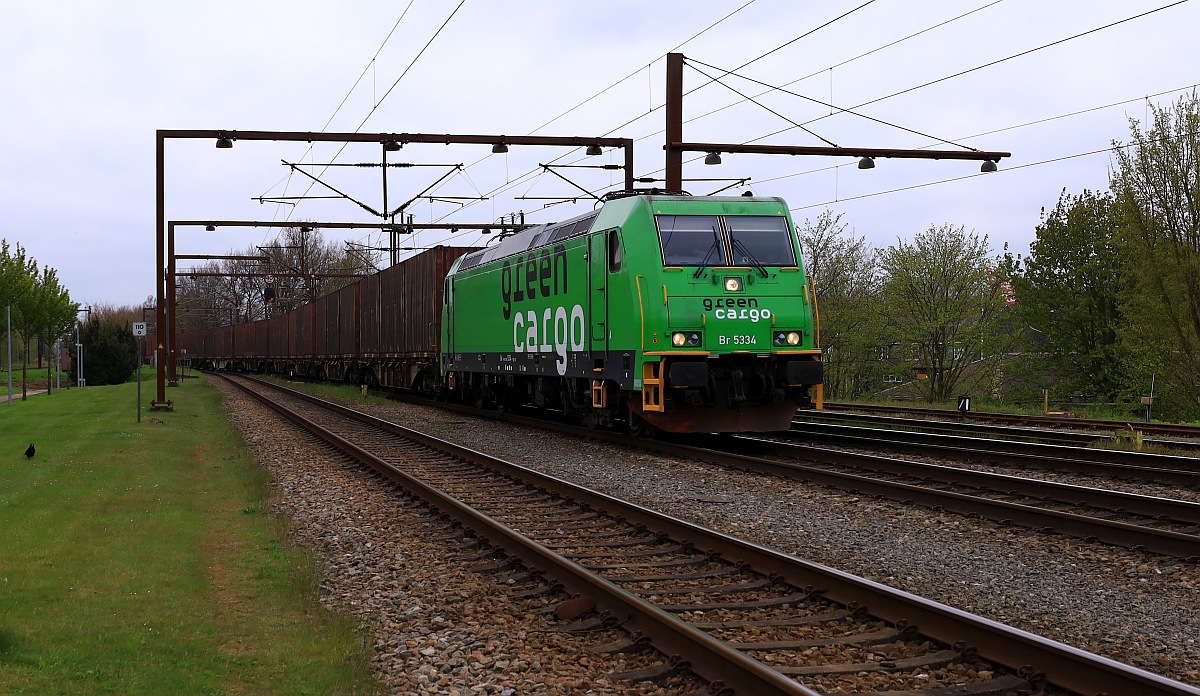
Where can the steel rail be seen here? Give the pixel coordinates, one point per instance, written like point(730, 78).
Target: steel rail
point(982, 430)
point(1062, 665)
point(1134, 465)
point(1133, 536)
point(707, 657)
point(1064, 422)
point(1151, 506)
point(1091, 528)
point(869, 420)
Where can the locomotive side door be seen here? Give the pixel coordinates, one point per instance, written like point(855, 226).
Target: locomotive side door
point(448, 315)
point(598, 266)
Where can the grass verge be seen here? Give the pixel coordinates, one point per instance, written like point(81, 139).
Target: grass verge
point(140, 558)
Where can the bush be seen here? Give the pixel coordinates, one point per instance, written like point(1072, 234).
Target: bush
point(109, 353)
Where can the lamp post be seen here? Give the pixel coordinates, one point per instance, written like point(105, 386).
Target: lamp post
point(79, 379)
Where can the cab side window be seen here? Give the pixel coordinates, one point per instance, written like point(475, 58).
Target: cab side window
point(614, 252)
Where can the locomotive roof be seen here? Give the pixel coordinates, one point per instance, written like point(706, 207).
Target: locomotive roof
point(529, 238)
point(551, 232)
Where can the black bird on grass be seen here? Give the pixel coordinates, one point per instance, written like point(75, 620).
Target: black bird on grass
point(30, 452)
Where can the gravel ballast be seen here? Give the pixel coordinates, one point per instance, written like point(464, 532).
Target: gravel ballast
point(441, 629)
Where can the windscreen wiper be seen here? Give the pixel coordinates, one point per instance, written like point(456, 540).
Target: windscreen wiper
point(704, 263)
point(738, 246)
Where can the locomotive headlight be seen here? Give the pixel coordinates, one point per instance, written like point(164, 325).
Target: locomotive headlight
point(788, 338)
point(733, 284)
point(685, 338)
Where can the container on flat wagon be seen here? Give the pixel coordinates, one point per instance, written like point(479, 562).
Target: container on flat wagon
point(258, 338)
point(243, 341)
point(345, 332)
point(279, 339)
point(411, 303)
point(223, 346)
point(321, 309)
point(369, 313)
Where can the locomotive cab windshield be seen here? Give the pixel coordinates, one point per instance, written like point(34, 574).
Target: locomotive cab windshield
point(703, 241)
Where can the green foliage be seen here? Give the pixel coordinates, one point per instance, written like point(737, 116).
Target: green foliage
point(109, 353)
point(847, 287)
point(945, 306)
point(1157, 181)
point(16, 273)
point(1069, 290)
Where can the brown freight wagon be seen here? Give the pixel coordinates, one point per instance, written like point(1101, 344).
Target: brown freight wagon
point(279, 342)
point(221, 349)
point(410, 311)
point(320, 315)
point(381, 330)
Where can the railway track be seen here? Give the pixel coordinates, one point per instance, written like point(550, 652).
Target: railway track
point(1145, 523)
point(948, 427)
point(1121, 464)
point(1163, 429)
point(1155, 524)
point(747, 619)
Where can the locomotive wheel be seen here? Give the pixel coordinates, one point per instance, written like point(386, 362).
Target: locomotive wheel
point(636, 426)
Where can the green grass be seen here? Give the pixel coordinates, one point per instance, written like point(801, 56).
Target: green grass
point(339, 390)
point(140, 559)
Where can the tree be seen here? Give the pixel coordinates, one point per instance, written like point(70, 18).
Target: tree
point(25, 318)
point(110, 352)
point(846, 283)
point(945, 303)
point(1069, 291)
point(1156, 178)
point(300, 260)
point(16, 281)
point(55, 312)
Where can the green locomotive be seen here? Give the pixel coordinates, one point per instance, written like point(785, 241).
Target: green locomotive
point(688, 314)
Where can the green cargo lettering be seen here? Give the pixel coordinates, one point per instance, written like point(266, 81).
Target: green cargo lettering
point(565, 332)
point(532, 275)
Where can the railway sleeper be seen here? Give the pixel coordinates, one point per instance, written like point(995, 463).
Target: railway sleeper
point(887, 635)
point(795, 598)
point(752, 585)
point(639, 541)
point(1005, 685)
point(674, 548)
point(653, 673)
point(711, 573)
point(543, 537)
point(670, 563)
point(934, 660)
point(826, 617)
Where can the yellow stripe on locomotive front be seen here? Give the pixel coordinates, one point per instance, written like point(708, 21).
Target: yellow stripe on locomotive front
point(686, 313)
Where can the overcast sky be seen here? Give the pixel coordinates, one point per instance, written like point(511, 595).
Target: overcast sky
point(85, 85)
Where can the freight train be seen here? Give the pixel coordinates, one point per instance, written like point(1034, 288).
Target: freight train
point(658, 310)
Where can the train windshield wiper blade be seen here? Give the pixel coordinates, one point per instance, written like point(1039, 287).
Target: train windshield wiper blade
point(739, 246)
point(704, 263)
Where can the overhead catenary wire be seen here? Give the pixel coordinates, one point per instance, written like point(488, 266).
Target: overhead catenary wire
point(1014, 168)
point(376, 103)
point(960, 73)
point(523, 178)
point(522, 181)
